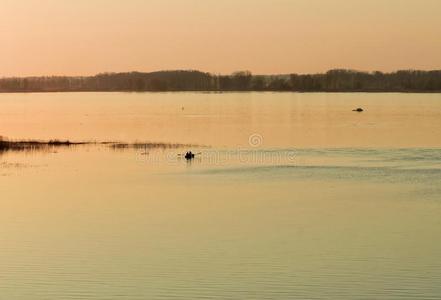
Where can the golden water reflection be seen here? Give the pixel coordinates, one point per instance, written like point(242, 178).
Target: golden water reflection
point(330, 205)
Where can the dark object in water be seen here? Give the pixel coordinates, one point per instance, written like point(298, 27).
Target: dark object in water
point(358, 109)
point(189, 155)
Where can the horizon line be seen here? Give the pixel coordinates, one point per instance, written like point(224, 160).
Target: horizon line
point(225, 74)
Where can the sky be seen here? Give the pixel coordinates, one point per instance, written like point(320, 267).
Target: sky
point(85, 37)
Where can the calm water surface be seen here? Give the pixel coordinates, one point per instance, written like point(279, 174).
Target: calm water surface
point(293, 196)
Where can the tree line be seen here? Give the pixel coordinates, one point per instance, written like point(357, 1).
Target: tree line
point(332, 81)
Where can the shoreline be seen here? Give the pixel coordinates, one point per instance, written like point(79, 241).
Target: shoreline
point(225, 92)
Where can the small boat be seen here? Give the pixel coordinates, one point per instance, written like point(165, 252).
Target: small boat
point(358, 109)
point(189, 155)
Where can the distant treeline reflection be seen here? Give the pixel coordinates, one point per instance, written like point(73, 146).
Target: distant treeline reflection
point(331, 81)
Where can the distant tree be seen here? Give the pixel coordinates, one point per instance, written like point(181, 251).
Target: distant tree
point(279, 84)
point(157, 84)
point(242, 80)
point(258, 83)
point(333, 80)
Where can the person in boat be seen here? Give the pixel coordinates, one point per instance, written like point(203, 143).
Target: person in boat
point(189, 155)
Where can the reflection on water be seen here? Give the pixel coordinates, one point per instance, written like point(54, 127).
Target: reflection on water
point(323, 214)
point(227, 119)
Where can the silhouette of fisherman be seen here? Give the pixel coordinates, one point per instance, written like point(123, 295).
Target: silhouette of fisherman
point(189, 155)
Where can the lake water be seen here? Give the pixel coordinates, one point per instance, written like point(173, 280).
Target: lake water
point(291, 196)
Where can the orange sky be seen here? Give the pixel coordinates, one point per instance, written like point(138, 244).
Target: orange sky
point(67, 37)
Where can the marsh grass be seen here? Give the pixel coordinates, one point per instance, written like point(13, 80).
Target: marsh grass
point(149, 146)
point(29, 145)
point(39, 145)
